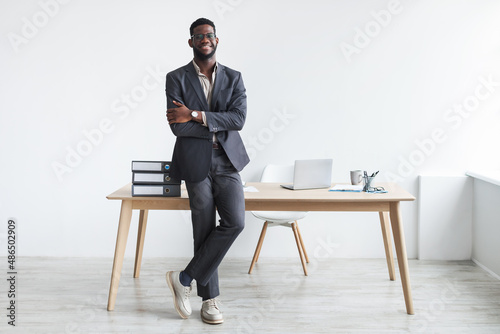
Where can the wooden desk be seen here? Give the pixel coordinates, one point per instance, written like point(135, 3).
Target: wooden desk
point(271, 197)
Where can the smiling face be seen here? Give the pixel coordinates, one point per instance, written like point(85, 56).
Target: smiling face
point(205, 47)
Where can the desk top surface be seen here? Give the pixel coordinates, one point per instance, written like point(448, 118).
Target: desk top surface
point(273, 192)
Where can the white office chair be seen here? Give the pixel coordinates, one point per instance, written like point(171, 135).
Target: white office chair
point(281, 174)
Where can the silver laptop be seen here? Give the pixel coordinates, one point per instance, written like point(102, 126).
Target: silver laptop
point(311, 174)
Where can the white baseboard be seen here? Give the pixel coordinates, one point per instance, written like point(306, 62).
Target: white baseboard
point(489, 271)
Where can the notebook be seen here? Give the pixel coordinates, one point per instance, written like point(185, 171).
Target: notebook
point(311, 174)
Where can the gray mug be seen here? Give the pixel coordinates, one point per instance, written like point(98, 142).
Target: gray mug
point(356, 177)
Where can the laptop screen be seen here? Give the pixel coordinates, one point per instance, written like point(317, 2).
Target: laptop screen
point(314, 173)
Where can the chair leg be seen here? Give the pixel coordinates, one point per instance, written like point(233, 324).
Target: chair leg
point(261, 241)
point(301, 242)
point(259, 246)
point(297, 240)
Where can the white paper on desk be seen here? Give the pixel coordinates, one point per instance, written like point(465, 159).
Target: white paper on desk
point(250, 189)
point(347, 187)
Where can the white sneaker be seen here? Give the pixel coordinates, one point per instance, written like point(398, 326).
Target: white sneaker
point(210, 312)
point(180, 294)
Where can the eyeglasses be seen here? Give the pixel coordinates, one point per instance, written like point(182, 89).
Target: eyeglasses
point(199, 37)
point(375, 189)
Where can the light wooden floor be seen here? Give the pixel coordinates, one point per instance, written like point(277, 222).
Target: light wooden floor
point(69, 295)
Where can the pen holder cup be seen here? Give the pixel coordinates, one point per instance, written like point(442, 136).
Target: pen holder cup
point(368, 182)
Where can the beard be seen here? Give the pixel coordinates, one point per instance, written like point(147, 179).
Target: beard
point(201, 56)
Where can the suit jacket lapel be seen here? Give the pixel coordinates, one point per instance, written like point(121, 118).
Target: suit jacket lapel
point(195, 83)
point(220, 77)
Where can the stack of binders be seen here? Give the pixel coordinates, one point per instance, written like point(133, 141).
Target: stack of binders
point(152, 178)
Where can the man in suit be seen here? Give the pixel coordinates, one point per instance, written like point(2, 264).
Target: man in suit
point(206, 107)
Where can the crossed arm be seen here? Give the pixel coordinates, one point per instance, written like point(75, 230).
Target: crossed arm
point(231, 118)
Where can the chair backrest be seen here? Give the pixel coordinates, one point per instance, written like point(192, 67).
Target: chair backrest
point(277, 173)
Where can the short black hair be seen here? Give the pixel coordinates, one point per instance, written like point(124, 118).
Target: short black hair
point(199, 22)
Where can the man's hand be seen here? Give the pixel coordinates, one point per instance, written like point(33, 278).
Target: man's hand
point(181, 114)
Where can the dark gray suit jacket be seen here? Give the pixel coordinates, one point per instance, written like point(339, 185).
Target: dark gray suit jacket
point(193, 148)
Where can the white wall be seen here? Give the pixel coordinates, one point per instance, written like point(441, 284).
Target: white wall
point(324, 79)
point(445, 217)
point(486, 226)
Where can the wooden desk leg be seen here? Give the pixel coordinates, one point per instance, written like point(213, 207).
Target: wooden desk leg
point(399, 242)
point(121, 242)
point(386, 234)
point(141, 233)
